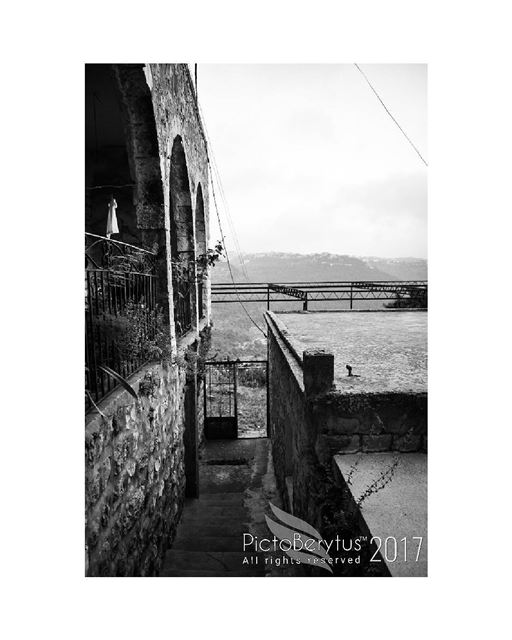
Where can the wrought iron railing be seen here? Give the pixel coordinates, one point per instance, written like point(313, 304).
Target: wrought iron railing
point(120, 312)
point(183, 305)
point(200, 303)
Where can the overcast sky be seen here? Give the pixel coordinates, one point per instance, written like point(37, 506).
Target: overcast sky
point(310, 161)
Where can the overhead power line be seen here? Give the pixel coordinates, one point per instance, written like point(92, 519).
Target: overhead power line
point(214, 171)
point(227, 259)
point(390, 114)
point(230, 219)
point(216, 174)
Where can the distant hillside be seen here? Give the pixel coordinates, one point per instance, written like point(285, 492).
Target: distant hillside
point(289, 267)
point(400, 268)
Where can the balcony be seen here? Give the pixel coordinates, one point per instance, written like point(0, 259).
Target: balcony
point(185, 278)
point(120, 312)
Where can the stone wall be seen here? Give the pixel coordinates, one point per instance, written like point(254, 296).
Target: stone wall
point(177, 117)
point(286, 411)
point(134, 483)
point(145, 110)
point(139, 452)
point(370, 423)
point(300, 479)
point(311, 422)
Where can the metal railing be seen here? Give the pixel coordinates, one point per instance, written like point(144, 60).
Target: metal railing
point(200, 302)
point(330, 291)
point(120, 312)
point(183, 292)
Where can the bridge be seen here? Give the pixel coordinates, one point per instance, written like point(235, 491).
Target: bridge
point(306, 292)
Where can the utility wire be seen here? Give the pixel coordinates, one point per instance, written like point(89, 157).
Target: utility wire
point(225, 203)
point(231, 222)
point(209, 152)
point(216, 173)
point(228, 262)
point(390, 114)
point(229, 218)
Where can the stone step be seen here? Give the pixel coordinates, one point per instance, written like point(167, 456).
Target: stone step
point(237, 513)
point(212, 574)
point(216, 561)
point(221, 489)
point(207, 543)
point(217, 499)
point(220, 528)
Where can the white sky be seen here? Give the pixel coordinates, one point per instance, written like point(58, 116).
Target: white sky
point(311, 162)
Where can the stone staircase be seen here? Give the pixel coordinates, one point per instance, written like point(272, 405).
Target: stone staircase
point(209, 540)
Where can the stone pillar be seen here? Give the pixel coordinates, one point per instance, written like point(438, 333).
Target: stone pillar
point(318, 368)
point(190, 436)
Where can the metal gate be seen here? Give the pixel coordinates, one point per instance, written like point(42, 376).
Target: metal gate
point(236, 399)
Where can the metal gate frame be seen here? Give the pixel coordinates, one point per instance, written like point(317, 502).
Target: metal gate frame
point(226, 427)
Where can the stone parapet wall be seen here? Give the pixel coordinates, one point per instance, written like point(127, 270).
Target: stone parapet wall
point(300, 478)
point(286, 411)
point(311, 421)
point(134, 484)
point(370, 423)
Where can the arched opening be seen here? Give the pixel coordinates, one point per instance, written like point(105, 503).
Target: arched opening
point(144, 155)
point(201, 245)
point(126, 271)
point(182, 240)
point(122, 156)
point(108, 171)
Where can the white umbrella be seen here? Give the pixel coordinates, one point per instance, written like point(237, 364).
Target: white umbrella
point(112, 218)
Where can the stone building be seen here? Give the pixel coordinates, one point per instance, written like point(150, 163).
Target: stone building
point(147, 310)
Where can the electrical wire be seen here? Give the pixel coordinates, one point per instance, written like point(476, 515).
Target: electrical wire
point(227, 258)
point(216, 174)
point(390, 114)
point(230, 222)
point(209, 152)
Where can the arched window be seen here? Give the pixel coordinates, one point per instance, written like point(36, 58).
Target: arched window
point(182, 240)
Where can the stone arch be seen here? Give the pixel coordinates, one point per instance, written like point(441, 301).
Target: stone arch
point(200, 222)
point(143, 153)
point(182, 223)
point(182, 239)
point(201, 247)
point(122, 157)
point(108, 163)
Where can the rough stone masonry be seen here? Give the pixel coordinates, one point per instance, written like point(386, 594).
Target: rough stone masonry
point(143, 131)
point(315, 414)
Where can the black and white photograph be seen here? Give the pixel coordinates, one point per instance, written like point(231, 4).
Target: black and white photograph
point(255, 319)
point(256, 297)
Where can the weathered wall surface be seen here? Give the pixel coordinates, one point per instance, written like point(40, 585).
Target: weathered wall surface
point(158, 108)
point(176, 116)
point(299, 476)
point(311, 422)
point(370, 423)
point(134, 482)
point(138, 450)
point(286, 410)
